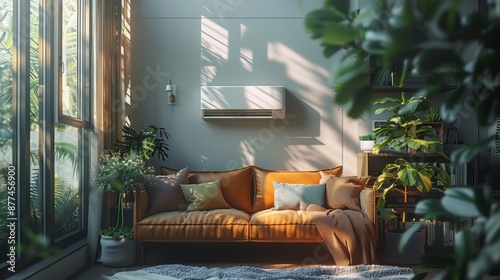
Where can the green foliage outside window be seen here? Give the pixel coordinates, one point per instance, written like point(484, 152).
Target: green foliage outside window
point(67, 198)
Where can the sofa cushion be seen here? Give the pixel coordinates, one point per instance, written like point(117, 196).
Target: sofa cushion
point(343, 192)
point(297, 196)
point(218, 225)
point(283, 226)
point(236, 184)
point(165, 194)
point(264, 187)
point(204, 196)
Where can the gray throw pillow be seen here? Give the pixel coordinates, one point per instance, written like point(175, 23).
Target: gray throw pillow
point(166, 194)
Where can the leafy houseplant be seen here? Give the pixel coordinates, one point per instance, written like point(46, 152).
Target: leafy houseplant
point(121, 173)
point(433, 116)
point(368, 137)
point(404, 131)
point(430, 36)
point(147, 142)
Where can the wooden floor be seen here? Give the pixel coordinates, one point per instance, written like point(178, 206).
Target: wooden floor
point(222, 255)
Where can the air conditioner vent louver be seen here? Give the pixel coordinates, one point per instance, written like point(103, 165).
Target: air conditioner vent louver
point(259, 102)
point(238, 114)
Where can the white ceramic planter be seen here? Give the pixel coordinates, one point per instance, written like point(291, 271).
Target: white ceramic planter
point(366, 145)
point(119, 253)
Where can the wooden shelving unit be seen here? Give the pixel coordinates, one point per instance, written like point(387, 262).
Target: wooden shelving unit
point(372, 164)
point(438, 233)
point(381, 79)
point(397, 89)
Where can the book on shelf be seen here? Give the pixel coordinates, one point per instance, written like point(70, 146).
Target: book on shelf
point(442, 233)
point(382, 77)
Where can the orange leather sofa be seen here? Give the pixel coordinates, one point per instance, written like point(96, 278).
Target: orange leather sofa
point(249, 192)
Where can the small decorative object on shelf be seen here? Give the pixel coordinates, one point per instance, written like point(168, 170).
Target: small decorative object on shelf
point(396, 75)
point(367, 142)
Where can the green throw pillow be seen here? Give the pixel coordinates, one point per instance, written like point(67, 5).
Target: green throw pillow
point(204, 196)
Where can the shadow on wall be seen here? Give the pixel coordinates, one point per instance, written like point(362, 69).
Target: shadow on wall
point(260, 139)
point(237, 48)
point(259, 142)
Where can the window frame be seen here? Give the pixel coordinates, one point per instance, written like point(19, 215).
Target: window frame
point(83, 67)
point(49, 116)
point(82, 122)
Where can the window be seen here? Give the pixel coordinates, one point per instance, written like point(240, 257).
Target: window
point(6, 117)
point(69, 132)
point(43, 155)
point(70, 95)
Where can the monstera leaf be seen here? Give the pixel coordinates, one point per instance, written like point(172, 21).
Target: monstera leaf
point(145, 143)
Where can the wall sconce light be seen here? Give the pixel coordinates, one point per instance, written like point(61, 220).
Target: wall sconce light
point(171, 93)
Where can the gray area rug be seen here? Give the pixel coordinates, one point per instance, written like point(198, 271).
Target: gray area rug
point(177, 271)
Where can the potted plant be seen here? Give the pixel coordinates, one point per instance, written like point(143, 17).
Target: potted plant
point(147, 142)
point(393, 33)
point(405, 131)
point(434, 119)
point(366, 142)
point(121, 173)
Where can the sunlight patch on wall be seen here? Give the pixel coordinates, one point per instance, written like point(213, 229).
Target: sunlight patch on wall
point(314, 89)
point(243, 30)
point(312, 78)
point(305, 157)
point(297, 67)
point(208, 74)
point(246, 55)
point(214, 42)
point(125, 71)
point(247, 153)
point(246, 59)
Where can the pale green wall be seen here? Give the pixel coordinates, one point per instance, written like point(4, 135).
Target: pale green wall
point(242, 43)
point(237, 43)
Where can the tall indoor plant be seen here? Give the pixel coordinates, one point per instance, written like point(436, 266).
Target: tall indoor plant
point(432, 37)
point(120, 173)
point(407, 133)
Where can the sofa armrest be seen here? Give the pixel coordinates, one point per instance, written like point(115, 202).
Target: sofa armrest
point(141, 205)
point(367, 199)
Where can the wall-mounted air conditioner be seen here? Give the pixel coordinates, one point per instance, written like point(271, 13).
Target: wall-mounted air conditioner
point(249, 102)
